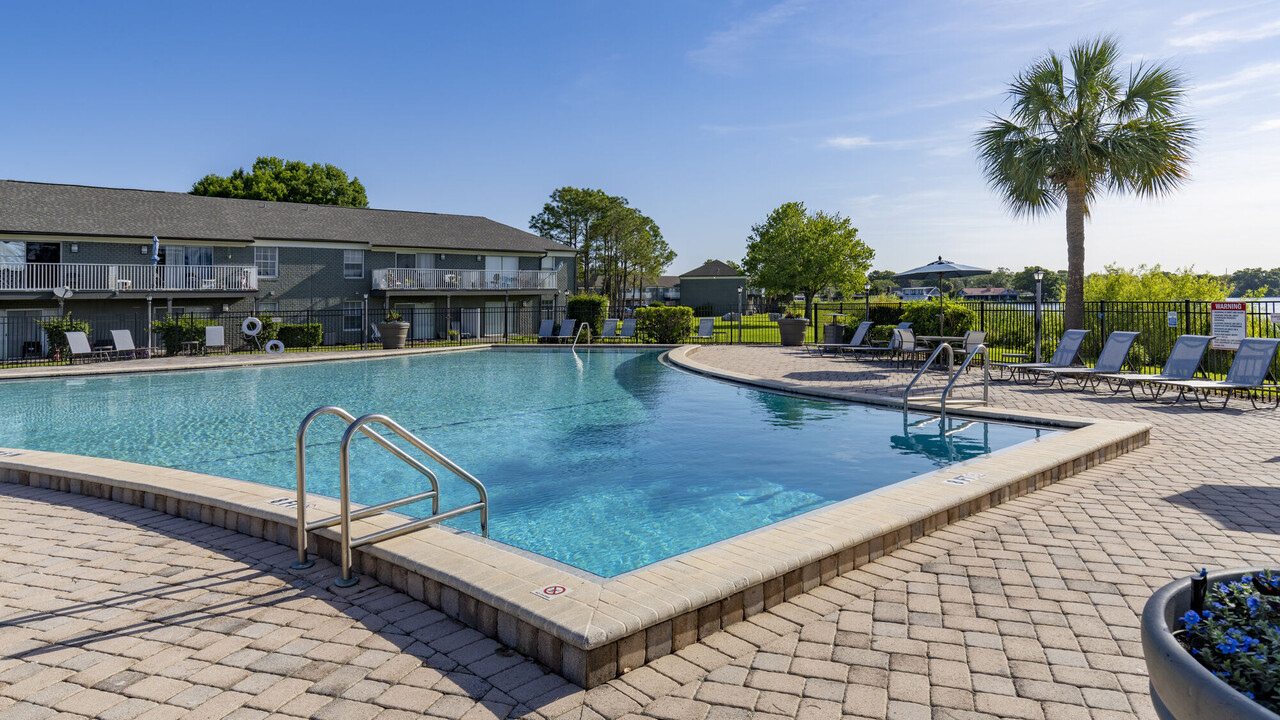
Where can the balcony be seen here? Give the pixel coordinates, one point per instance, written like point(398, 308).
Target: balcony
point(85, 277)
point(440, 280)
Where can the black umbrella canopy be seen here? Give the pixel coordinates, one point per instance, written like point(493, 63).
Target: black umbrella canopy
point(940, 269)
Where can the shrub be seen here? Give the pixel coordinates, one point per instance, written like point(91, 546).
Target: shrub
point(664, 325)
point(301, 334)
point(590, 309)
point(56, 330)
point(881, 333)
point(923, 317)
point(1235, 636)
point(174, 331)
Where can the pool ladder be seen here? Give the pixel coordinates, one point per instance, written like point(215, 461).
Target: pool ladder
point(346, 515)
point(942, 399)
point(584, 326)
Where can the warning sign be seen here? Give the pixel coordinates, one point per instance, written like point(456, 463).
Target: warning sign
point(551, 592)
point(1229, 324)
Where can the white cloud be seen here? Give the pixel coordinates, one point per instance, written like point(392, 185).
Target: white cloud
point(1207, 40)
point(1273, 124)
point(1247, 76)
point(849, 143)
point(1195, 17)
point(723, 51)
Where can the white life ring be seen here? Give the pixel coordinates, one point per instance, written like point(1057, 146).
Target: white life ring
point(275, 347)
point(251, 326)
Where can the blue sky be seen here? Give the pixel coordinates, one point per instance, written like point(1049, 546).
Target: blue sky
point(705, 115)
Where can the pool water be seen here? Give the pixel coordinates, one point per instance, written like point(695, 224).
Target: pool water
point(604, 460)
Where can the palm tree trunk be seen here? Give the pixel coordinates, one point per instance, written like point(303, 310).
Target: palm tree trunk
point(1076, 209)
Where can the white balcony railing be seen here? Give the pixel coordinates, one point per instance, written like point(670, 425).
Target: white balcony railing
point(440, 279)
point(45, 277)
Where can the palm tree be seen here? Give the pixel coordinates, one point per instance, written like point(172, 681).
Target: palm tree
point(1073, 136)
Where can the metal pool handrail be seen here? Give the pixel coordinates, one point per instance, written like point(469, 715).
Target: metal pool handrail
point(946, 391)
point(345, 517)
point(951, 355)
point(584, 326)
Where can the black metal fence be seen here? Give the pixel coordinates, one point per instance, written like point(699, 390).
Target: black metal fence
point(1010, 328)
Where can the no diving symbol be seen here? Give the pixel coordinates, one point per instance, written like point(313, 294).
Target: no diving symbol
point(551, 592)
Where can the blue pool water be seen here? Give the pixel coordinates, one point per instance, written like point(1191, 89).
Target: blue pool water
point(604, 460)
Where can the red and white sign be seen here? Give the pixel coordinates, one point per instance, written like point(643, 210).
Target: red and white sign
point(551, 592)
point(1229, 324)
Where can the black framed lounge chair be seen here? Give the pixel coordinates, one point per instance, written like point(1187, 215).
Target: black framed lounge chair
point(859, 338)
point(546, 328)
point(628, 329)
point(78, 342)
point(1183, 364)
point(1247, 376)
point(1112, 359)
point(1064, 356)
point(706, 329)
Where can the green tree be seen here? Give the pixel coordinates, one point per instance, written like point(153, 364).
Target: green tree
point(1153, 283)
point(1076, 134)
point(882, 282)
point(286, 181)
point(794, 251)
point(1255, 282)
point(1052, 286)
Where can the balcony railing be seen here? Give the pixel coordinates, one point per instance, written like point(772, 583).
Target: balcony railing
point(440, 279)
point(45, 277)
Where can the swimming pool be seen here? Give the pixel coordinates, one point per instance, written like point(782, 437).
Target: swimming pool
point(603, 460)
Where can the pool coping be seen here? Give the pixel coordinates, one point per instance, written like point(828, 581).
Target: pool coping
point(599, 628)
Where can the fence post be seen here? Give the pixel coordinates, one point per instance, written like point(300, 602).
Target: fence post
point(982, 315)
point(1102, 317)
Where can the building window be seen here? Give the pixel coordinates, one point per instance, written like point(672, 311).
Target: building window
point(353, 264)
point(268, 307)
point(268, 261)
point(352, 314)
point(186, 255)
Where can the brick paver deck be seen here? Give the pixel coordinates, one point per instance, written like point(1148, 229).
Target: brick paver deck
point(1029, 610)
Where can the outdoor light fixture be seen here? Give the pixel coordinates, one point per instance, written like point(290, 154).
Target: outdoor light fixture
point(479, 258)
point(441, 256)
point(1039, 275)
point(75, 247)
point(142, 250)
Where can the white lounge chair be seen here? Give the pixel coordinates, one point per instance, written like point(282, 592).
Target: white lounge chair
point(215, 337)
point(80, 347)
point(123, 340)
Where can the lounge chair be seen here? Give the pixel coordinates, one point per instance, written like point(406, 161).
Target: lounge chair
point(373, 332)
point(1248, 372)
point(610, 329)
point(80, 347)
point(1111, 360)
point(1183, 364)
point(907, 347)
point(706, 329)
point(1064, 356)
point(859, 338)
point(215, 337)
point(566, 329)
point(123, 340)
point(628, 329)
point(546, 328)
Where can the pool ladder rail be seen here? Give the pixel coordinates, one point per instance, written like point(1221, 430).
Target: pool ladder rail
point(942, 399)
point(346, 515)
point(583, 326)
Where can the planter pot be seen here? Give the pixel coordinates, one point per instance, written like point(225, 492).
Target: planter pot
point(832, 333)
point(1182, 688)
point(792, 330)
point(393, 334)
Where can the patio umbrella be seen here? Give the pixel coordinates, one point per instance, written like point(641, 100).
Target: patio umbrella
point(155, 250)
point(940, 269)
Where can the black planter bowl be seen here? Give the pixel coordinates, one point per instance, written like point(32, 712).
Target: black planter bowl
point(1182, 688)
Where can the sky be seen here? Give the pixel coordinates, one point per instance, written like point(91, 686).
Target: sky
point(704, 115)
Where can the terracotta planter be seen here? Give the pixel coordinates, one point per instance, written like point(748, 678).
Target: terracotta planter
point(1182, 688)
point(792, 330)
point(394, 334)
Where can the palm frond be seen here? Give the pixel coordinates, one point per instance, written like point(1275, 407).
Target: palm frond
point(1156, 91)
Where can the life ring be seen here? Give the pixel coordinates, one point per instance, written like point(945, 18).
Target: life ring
point(275, 347)
point(251, 326)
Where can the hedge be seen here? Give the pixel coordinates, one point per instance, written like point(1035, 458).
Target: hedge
point(664, 325)
point(590, 309)
point(174, 331)
point(301, 335)
point(923, 317)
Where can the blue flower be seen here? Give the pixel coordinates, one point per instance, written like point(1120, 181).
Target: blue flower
point(1191, 618)
point(1249, 695)
point(1254, 603)
point(1246, 579)
point(1222, 588)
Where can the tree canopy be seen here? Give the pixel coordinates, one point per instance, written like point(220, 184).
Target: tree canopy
point(1052, 287)
point(794, 251)
point(620, 246)
point(1255, 282)
point(1153, 283)
point(287, 181)
point(1079, 129)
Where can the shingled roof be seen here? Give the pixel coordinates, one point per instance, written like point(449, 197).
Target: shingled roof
point(47, 209)
point(712, 268)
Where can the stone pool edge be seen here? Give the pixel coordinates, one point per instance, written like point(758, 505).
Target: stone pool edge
point(602, 627)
